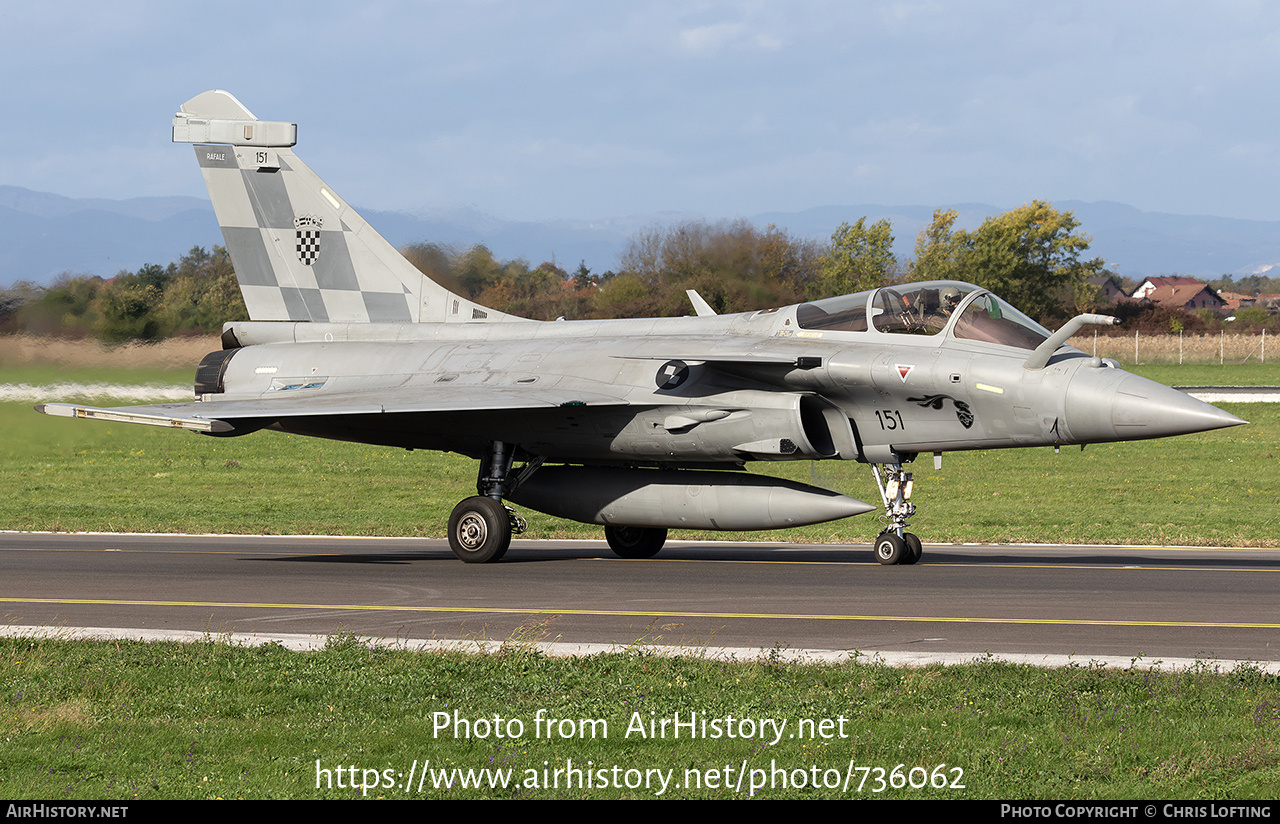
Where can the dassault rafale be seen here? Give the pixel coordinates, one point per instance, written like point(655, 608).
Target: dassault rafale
point(638, 425)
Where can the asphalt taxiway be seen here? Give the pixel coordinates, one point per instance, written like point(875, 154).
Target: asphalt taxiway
point(1145, 603)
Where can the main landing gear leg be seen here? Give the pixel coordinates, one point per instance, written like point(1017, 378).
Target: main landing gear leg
point(895, 545)
point(481, 527)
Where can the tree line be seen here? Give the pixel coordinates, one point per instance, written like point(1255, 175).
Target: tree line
point(193, 295)
point(1033, 256)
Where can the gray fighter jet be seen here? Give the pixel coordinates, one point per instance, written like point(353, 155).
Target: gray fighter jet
point(638, 425)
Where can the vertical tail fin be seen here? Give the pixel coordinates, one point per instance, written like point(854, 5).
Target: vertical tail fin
point(300, 252)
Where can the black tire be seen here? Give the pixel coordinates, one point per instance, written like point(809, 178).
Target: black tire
point(914, 548)
point(635, 541)
point(890, 549)
point(479, 530)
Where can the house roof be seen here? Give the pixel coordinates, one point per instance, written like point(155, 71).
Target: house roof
point(1183, 294)
point(1147, 286)
point(1173, 280)
point(1234, 300)
point(1110, 288)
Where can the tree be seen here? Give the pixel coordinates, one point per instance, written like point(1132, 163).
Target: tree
point(1084, 296)
point(624, 295)
point(125, 310)
point(539, 293)
point(938, 249)
point(477, 269)
point(860, 257)
point(791, 266)
point(13, 299)
point(1030, 256)
point(733, 265)
point(67, 307)
point(436, 262)
point(1248, 285)
point(201, 293)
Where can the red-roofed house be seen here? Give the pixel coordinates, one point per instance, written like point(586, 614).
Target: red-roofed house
point(1236, 300)
point(1151, 284)
point(1193, 295)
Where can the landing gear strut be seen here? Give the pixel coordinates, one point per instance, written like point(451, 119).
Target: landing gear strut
point(480, 527)
point(895, 545)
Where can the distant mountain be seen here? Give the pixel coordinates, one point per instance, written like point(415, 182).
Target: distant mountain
point(1155, 243)
point(43, 235)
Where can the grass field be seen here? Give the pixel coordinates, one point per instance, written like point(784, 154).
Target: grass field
point(130, 720)
point(1201, 374)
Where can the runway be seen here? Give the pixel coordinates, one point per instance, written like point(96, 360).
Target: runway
point(1137, 602)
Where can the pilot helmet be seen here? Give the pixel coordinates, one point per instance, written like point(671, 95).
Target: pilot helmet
point(950, 297)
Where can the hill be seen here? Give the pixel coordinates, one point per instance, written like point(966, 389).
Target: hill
point(43, 234)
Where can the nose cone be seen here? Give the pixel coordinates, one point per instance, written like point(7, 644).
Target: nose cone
point(1151, 410)
point(1110, 405)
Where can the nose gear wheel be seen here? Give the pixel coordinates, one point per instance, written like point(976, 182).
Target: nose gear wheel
point(895, 545)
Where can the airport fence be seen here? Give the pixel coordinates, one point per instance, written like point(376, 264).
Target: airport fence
point(1138, 348)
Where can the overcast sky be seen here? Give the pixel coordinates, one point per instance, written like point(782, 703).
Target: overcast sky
point(544, 110)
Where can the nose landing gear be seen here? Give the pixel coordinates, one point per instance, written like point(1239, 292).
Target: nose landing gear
point(895, 545)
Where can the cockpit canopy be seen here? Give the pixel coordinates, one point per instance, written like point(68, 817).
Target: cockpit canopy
point(962, 310)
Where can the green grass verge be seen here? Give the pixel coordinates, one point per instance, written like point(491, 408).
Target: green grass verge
point(52, 375)
point(131, 720)
point(1247, 374)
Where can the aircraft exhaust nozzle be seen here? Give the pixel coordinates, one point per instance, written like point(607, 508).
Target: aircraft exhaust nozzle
point(680, 499)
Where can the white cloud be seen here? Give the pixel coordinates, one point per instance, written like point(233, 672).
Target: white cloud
point(718, 36)
point(709, 39)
